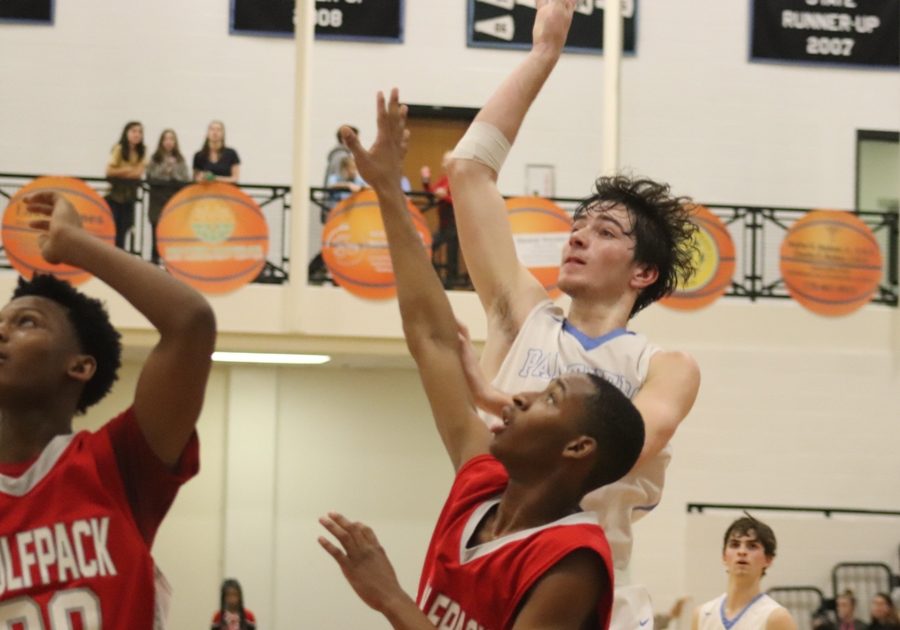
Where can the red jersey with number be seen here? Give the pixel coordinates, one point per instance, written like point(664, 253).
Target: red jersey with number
point(481, 587)
point(76, 526)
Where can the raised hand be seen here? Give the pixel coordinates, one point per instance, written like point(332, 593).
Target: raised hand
point(551, 23)
point(382, 164)
point(61, 217)
point(362, 560)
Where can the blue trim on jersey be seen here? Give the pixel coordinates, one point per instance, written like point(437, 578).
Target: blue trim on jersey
point(645, 508)
point(589, 343)
point(730, 622)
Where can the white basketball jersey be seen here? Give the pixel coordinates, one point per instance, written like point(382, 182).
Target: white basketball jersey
point(752, 617)
point(548, 346)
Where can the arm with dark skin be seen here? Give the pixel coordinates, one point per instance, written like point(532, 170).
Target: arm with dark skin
point(566, 596)
point(172, 383)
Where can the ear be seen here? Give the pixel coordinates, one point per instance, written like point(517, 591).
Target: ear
point(643, 276)
point(82, 367)
point(580, 448)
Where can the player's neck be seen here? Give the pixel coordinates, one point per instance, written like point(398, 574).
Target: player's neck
point(596, 318)
point(24, 434)
point(741, 592)
point(523, 506)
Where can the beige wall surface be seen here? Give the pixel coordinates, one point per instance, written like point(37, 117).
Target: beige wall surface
point(794, 409)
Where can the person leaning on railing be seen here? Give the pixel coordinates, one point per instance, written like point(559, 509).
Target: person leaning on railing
point(125, 169)
point(166, 173)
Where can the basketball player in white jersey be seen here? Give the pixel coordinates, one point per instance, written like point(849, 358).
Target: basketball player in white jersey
point(628, 247)
point(748, 549)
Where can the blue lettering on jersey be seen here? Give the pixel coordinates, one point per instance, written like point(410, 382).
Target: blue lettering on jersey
point(546, 366)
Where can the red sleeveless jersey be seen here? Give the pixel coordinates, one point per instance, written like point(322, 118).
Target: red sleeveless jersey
point(482, 587)
point(76, 529)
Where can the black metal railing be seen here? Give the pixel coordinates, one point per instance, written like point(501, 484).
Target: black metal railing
point(757, 233)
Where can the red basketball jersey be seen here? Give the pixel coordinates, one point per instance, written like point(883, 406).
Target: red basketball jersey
point(76, 528)
point(481, 587)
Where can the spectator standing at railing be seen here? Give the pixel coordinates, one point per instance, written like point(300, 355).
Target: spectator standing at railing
point(884, 613)
point(846, 612)
point(215, 160)
point(167, 172)
point(125, 169)
point(446, 234)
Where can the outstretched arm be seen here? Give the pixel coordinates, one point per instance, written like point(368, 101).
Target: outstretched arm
point(506, 289)
point(170, 389)
point(565, 597)
point(428, 322)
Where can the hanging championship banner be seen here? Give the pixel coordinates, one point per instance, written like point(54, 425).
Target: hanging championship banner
point(508, 24)
point(375, 20)
point(369, 20)
point(849, 32)
point(27, 11)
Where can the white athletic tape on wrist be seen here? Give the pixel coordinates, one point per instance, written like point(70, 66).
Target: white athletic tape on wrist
point(484, 143)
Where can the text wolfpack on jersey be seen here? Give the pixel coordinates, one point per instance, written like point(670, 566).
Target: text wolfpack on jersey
point(55, 554)
point(443, 612)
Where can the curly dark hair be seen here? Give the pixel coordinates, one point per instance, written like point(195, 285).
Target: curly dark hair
point(662, 229)
point(95, 333)
point(617, 427)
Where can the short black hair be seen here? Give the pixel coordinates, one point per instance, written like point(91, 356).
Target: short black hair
point(93, 330)
point(617, 427)
point(663, 230)
point(747, 525)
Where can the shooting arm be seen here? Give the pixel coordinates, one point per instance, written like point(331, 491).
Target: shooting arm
point(506, 288)
point(170, 389)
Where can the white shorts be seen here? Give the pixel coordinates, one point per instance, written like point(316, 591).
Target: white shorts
point(631, 609)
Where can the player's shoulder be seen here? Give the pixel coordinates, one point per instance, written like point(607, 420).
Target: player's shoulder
point(673, 362)
point(780, 619)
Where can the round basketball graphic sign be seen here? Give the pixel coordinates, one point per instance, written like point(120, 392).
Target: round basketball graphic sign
point(355, 249)
point(21, 241)
point(714, 262)
point(213, 236)
point(831, 262)
point(540, 229)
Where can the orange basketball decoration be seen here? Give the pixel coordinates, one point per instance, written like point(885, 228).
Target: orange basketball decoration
point(355, 249)
point(540, 229)
point(831, 262)
point(213, 237)
point(713, 255)
point(21, 241)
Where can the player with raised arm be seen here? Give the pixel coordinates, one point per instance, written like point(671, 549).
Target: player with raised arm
point(79, 511)
point(630, 243)
point(511, 548)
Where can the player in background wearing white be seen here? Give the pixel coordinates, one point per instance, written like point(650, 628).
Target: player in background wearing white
point(511, 548)
point(630, 243)
point(79, 511)
point(748, 550)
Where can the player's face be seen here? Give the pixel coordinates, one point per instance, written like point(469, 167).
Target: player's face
point(598, 258)
point(37, 346)
point(745, 556)
point(538, 425)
